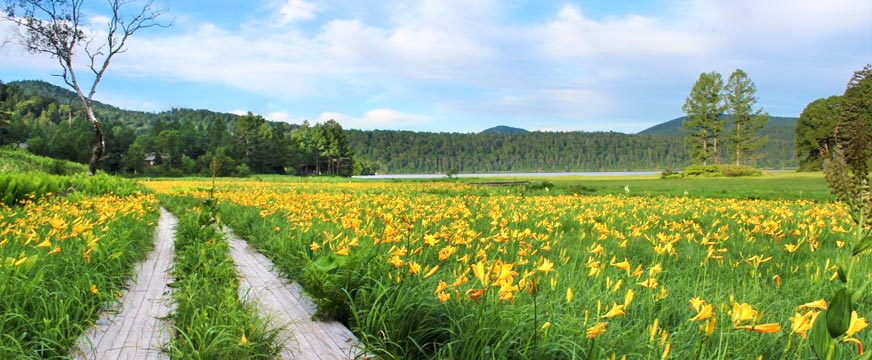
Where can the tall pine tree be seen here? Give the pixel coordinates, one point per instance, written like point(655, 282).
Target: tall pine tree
point(704, 107)
point(741, 95)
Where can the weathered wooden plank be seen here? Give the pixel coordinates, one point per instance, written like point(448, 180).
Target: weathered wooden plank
point(134, 329)
point(285, 306)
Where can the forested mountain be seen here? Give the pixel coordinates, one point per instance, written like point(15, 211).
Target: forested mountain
point(182, 141)
point(502, 129)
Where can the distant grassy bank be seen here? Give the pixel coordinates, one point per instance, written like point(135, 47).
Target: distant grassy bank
point(770, 186)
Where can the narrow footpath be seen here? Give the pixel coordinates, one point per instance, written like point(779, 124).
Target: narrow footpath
point(285, 305)
point(135, 330)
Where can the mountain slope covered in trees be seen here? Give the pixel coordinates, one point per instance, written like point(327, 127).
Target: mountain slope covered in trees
point(47, 118)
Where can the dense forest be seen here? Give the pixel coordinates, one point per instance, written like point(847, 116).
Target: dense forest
point(184, 141)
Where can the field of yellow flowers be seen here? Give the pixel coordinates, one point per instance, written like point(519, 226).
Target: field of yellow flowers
point(62, 259)
point(445, 270)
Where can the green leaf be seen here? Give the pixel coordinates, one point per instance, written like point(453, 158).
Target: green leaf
point(820, 337)
point(866, 356)
point(841, 273)
point(863, 245)
point(855, 295)
point(839, 313)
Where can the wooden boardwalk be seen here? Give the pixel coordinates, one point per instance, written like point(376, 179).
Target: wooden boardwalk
point(285, 306)
point(135, 330)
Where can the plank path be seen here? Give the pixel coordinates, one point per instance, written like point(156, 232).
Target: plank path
point(136, 330)
point(285, 306)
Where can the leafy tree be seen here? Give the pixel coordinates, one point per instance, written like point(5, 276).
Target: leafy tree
point(847, 173)
point(133, 160)
point(814, 132)
point(704, 108)
point(53, 27)
point(334, 147)
point(744, 138)
point(169, 144)
point(854, 130)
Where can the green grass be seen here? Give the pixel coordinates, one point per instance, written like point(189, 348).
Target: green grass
point(13, 159)
point(210, 320)
point(770, 186)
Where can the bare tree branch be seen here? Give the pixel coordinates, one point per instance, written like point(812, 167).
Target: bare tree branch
point(53, 27)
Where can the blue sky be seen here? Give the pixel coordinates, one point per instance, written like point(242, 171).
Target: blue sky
point(466, 65)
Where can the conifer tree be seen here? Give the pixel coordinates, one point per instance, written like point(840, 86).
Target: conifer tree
point(704, 107)
point(741, 95)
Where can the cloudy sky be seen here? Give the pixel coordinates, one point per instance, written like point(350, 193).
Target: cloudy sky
point(466, 65)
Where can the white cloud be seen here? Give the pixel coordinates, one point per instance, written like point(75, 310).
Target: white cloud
point(293, 11)
point(574, 35)
point(239, 112)
point(376, 119)
point(282, 116)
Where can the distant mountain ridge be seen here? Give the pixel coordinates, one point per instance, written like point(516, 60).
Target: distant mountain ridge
point(502, 129)
point(673, 127)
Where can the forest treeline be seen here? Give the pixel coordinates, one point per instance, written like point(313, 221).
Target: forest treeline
point(50, 121)
point(407, 151)
point(184, 141)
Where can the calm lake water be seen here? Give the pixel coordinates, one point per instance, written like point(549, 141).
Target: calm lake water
point(512, 174)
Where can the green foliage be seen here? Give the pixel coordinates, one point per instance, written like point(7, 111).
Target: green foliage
point(13, 159)
point(847, 172)
point(183, 141)
point(327, 279)
point(16, 188)
point(670, 174)
point(739, 170)
point(702, 171)
point(814, 132)
point(743, 138)
point(704, 107)
point(209, 318)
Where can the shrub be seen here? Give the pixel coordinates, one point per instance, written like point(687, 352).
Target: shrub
point(670, 174)
point(739, 170)
point(702, 171)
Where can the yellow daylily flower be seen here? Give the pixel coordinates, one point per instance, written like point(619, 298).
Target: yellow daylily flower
point(762, 328)
point(615, 311)
point(546, 266)
point(705, 312)
point(800, 324)
point(596, 330)
point(742, 312)
point(857, 323)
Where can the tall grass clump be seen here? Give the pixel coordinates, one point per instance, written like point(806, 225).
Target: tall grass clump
point(210, 320)
point(62, 260)
point(16, 188)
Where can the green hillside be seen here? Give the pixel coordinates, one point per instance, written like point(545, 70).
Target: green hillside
point(673, 127)
point(15, 160)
